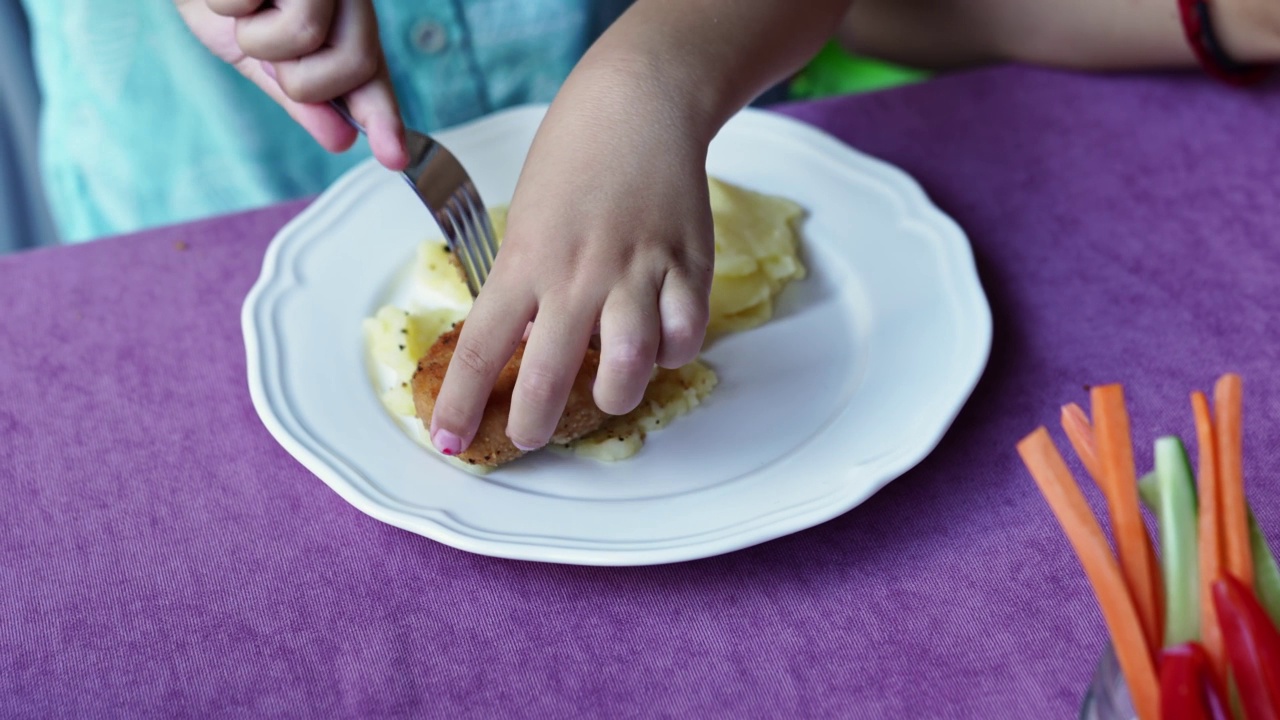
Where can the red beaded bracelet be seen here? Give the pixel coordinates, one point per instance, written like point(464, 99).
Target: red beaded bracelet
point(1198, 25)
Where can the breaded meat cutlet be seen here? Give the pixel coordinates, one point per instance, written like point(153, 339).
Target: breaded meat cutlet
point(491, 446)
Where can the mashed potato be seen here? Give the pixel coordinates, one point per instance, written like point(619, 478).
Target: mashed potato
point(671, 393)
point(757, 254)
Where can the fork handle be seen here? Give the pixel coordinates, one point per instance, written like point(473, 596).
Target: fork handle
point(340, 106)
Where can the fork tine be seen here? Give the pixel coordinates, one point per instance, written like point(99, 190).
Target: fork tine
point(464, 244)
point(446, 226)
point(442, 184)
point(478, 261)
point(488, 242)
point(451, 230)
point(453, 233)
point(471, 220)
point(461, 249)
point(435, 173)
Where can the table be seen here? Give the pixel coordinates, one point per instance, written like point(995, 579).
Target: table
point(160, 555)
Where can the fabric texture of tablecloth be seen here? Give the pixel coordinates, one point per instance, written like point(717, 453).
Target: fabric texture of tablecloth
point(162, 556)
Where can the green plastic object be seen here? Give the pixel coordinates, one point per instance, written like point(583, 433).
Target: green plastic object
point(834, 71)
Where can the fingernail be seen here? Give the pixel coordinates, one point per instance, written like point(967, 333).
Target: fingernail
point(269, 69)
point(446, 442)
point(522, 448)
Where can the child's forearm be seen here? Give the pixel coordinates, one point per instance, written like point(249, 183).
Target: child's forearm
point(703, 60)
point(1083, 34)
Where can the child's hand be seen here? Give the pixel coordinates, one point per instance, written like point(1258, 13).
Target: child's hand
point(610, 224)
point(304, 53)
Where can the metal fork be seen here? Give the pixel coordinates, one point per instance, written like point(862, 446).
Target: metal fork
point(444, 187)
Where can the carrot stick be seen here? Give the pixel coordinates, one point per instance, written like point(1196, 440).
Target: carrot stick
point(1210, 532)
point(1236, 555)
point(1120, 486)
point(1085, 534)
point(1080, 432)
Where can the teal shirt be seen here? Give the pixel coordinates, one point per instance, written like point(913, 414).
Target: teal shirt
point(142, 126)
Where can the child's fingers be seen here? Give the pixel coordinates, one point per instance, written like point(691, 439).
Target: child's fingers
point(235, 8)
point(217, 33)
point(320, 121)
point(630, 333)
point(548, 371)
point(374, 106)
point(286, 30)
point(352, 58)
point(353, 68)
point(488, 339)
point(325, 75)
point(685, 306)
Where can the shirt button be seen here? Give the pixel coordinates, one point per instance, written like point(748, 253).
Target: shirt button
point(429, 37)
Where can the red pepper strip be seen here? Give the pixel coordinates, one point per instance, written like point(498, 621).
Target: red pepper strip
point(1182, 683)
point(1219, 708)
point(1253, 648)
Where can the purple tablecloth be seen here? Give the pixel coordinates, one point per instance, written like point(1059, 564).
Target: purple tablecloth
point(160, 555)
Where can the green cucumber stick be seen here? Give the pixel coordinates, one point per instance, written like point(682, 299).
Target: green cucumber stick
point(1266, 572)
point(1179, 554)
point(1149, 491)
point(1266, 575)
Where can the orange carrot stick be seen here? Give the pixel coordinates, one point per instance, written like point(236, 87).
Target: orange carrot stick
point(1236, 554)
point(1120, 486)
point(1080, 432)
point(1210, 534)
point(1081, 528)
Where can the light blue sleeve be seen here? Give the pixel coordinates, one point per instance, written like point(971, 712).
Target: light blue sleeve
point(141, 126)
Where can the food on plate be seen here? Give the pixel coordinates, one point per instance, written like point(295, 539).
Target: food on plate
point(491, 447)
point(757, 256)
point(671, 394)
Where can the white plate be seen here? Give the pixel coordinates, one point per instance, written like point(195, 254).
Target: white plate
point(854, 382)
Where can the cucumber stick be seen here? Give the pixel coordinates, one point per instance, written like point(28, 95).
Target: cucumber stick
point(1266, 574)
point(1179, 556)
point(1149, 491)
